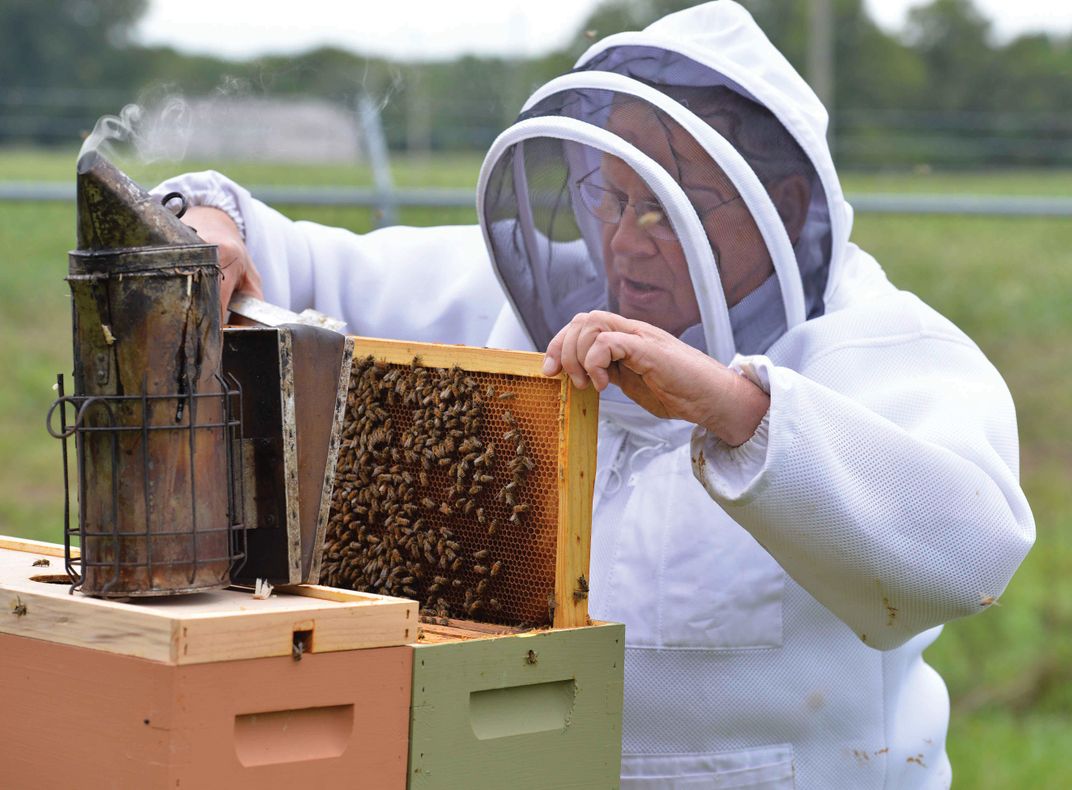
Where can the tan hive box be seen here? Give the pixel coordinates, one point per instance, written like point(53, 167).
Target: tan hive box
point(199, 691)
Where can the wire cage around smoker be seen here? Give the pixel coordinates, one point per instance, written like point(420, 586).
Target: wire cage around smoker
point(159, 490)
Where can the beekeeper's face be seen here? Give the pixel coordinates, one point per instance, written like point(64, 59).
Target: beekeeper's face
point(647, 274)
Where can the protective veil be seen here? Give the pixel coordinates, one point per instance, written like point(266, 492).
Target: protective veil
point(776, 611)
point(698, 154)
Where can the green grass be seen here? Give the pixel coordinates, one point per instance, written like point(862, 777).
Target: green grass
point(1006, 281)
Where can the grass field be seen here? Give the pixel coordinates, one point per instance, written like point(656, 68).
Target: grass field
point(1006, 281)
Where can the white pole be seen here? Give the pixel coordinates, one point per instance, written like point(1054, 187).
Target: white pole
point(368, 115)
point(821, 57)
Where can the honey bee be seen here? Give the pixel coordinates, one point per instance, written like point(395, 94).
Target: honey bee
point(480, 555)
point(507, 395)
point(479, 570)
point(496, 568)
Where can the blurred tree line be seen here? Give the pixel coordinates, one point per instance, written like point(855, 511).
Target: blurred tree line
point(939, 91)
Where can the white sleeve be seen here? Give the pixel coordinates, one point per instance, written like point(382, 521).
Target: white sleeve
point(884, 480)
point(426, 284)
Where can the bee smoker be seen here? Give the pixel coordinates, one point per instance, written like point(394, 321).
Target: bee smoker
point(153, 420)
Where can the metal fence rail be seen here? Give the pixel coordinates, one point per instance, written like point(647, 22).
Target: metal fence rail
point(368, 197)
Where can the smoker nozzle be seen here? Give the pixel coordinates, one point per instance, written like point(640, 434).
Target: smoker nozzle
point(115, 213)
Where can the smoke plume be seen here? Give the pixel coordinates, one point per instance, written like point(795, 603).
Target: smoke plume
point(157, 128)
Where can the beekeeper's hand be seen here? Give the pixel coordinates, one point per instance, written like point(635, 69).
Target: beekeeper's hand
point(664, 375)
point(238, 274)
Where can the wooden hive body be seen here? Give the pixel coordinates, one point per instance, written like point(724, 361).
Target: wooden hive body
point(101, 694)
point(414, 483)
point(528, 711)
point(199, 691)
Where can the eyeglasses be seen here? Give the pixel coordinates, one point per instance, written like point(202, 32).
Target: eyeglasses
point(608, 206)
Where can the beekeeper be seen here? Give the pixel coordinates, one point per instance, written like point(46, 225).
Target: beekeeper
point(826, 469)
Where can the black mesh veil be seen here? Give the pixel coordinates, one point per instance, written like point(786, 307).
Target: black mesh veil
point(753, 129)
point(580, 224)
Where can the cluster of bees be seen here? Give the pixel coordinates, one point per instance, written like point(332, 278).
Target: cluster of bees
point(416, 469)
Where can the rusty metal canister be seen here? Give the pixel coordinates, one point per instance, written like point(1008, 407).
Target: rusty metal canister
point(152, 428)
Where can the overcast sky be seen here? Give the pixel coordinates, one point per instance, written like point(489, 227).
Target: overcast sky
point(433, 29)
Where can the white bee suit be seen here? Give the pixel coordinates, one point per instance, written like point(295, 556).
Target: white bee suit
point(776, 612)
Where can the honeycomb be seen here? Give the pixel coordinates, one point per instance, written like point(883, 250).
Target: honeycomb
point(446, 491)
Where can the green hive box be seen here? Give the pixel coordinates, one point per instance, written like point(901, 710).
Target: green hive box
point(539, 710)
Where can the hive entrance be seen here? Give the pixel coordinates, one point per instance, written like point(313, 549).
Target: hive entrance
point(446, 491)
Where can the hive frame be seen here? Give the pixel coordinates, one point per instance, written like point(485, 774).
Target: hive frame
point(577, 430)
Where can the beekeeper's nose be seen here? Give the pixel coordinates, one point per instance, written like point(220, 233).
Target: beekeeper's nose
point(631, 236)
